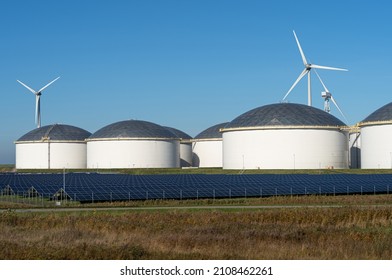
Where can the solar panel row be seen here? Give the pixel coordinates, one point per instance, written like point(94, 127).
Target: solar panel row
point(90, 187)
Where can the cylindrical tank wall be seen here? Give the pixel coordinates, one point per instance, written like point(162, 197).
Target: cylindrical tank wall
point(355, 150)
point(207, 153)
point(50, 155)
point(186, 154)
point(133, 154)
point(285, 149)
point(31, 156)
point(376, 146)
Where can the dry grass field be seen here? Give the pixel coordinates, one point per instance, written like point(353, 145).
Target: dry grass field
point(361, 228)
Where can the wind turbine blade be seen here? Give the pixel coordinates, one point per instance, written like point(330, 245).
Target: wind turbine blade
point(48, 84)
point(337, 106)
point(304, 72)
point(300, 49)
point(327, 67)
point(26, 86)
point(321, 81)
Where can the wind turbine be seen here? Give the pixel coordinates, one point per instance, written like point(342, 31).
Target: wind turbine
point(327, 95)
point(308, 67)
point(37, 100)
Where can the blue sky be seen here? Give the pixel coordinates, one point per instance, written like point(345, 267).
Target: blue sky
point(185, 64)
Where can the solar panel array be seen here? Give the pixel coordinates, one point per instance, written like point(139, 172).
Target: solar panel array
point(92, 187)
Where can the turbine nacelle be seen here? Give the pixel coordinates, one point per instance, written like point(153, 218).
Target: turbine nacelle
point(326, 94)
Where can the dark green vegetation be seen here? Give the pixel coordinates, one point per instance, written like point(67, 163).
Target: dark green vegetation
point(7, 168)
point(361, 228)
point(154, 171)
point(302, 200)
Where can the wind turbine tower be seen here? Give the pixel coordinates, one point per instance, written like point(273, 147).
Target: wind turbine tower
point(38, 94)
point(306, 71)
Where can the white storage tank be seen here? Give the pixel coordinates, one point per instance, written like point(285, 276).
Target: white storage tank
point(185, 146)
point(207, 147)
point(55, 146)
point(285, 136)
point(376, 139)
point(133, 144)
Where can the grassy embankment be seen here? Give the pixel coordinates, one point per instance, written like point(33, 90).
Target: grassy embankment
point(357, 230)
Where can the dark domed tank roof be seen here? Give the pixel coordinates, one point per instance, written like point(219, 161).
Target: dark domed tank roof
point(382, 114)
point(178, 133)
point(56, 132)
point(132, 129)
point(284, 114)
point(211, 132)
